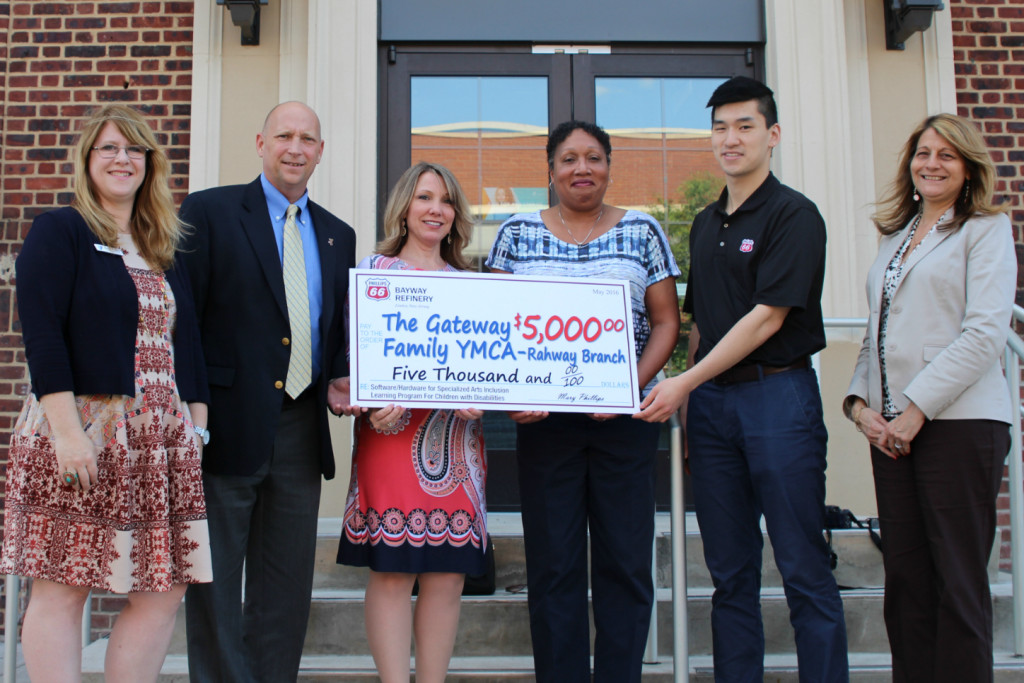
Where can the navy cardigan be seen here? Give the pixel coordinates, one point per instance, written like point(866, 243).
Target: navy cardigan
point(79, 314)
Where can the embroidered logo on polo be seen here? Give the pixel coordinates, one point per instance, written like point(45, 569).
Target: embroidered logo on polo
point(747, 246)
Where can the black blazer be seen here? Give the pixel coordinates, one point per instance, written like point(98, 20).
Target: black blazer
point(238, 285)
point(79, 314)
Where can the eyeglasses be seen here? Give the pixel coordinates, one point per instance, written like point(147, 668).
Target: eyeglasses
point(110, 151)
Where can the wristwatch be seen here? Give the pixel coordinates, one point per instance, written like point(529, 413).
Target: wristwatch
point(204, 434)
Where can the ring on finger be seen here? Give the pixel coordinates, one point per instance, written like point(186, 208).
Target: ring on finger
point(70, 478)
point(898, 446)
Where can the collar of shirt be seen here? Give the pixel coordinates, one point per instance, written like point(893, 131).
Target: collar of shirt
point(754, 201)
point(277, 203)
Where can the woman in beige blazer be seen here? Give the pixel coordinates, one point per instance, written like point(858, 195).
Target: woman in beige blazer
point(929, 395)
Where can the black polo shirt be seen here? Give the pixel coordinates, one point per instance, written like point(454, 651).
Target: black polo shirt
point(769, 251)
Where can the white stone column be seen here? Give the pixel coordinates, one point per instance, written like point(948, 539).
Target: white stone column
point(341, 85)
point(816, 64)
point(204, 152)
point(294, 51)
point(939, 68)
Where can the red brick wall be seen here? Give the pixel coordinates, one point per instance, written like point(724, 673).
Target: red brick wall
point(58, 61)
point(988, 51)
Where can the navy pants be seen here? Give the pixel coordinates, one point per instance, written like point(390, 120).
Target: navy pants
point(758, 448)
point(268, 520)
point(574, 474)
point(937, 511)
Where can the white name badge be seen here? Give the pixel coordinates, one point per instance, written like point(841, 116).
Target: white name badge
point(116, 251)
point(508, 342)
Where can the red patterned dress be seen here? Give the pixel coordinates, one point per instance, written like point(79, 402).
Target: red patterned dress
point(142, 527)
point(416, 497)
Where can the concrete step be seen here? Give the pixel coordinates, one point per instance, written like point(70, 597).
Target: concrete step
point(859, 565)
point(499, 625)
point(493, 643)
point(868, 667)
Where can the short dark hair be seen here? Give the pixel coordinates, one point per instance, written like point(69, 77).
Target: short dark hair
point(743, 89)
point(566, 128)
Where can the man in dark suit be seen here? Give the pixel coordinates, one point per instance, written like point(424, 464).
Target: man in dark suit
point(271, 380)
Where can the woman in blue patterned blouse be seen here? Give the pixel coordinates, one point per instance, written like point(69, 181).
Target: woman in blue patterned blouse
point(596, 472)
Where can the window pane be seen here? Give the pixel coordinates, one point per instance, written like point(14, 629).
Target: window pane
point(662, 161)
point(491, 132)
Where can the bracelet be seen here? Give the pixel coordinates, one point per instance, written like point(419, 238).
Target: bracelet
point(855, 416)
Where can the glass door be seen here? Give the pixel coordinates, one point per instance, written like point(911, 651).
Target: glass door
point(485, 114)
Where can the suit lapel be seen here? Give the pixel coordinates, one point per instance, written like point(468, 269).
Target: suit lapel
point(260, 232)
point(926, 247)
point(326, 243)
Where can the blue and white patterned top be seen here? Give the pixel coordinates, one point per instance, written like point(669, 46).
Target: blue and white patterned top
point(635, 249)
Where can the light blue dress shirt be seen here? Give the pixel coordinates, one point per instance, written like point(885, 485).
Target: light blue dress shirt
point(277, 205)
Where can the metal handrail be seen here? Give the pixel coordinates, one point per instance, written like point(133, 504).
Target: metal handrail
point(680, 620)
point(1012, 357)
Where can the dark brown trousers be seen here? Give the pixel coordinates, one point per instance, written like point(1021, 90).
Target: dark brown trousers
point(937, 512)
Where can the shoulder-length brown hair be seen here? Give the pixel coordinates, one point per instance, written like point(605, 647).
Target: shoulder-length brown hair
point(897, 206)
point(154, 222)
point(398, 206)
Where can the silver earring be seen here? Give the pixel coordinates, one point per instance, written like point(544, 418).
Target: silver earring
point(966, 194)
point(917, 197)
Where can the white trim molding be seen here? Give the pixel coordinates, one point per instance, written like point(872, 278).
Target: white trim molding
point(294, 51)
point(204, 136)
point(939, 68)
point(808, 66)
point(341, 87)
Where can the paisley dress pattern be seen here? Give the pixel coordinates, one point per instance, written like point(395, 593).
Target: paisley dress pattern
point(416, 500)
point(142, 527)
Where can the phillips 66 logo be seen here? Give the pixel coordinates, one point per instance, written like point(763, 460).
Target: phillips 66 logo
point(377, 289)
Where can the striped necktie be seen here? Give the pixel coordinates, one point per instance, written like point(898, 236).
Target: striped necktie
point(300, 364)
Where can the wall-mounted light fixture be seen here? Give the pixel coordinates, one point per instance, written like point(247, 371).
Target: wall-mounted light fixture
point(245, 14)
point(904, 18)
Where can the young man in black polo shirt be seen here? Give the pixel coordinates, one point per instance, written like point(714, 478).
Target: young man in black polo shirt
point(754, 426)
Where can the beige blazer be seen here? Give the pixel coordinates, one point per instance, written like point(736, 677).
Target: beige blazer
point(948, 322)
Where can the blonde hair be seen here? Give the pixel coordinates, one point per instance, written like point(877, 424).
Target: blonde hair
point(897, 206)
point(398, 206)
point(154, 223)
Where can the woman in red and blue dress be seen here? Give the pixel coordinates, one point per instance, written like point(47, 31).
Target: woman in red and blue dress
point(416, 507)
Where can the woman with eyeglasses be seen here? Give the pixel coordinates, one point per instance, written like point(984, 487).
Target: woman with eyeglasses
point(104, 486)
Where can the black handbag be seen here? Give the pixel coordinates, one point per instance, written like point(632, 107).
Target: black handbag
point(482, 584)
point(841, 518)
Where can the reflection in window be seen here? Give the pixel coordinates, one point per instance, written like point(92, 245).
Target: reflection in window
point(661, 137)
point(663, 164)
point(491, 132)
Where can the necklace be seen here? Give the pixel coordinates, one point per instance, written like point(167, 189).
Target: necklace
point(592, 227)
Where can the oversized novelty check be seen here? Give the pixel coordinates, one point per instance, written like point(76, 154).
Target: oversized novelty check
point(464, 340)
